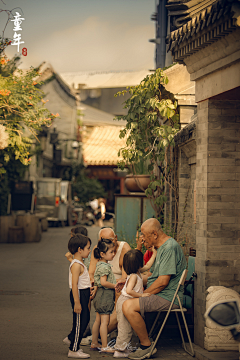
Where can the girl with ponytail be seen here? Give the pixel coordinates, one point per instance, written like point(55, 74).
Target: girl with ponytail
point(103, 302)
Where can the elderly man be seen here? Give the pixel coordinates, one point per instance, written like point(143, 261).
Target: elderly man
point(161, 283)
point(121, 247)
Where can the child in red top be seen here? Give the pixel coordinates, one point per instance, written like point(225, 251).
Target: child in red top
point(147, 256)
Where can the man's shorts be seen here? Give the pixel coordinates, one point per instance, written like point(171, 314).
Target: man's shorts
point(154, 303)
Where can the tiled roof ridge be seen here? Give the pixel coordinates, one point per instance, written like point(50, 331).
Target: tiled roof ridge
point(96, 72)
point(48, 73)
point(182, 11)
point(64, 86)
point(212, 17)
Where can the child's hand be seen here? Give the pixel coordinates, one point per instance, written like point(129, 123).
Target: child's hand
point(154, 251)
point(93, 291)
point(120, 284)
point(139, 241)
point(77, 308)
point(146, 294)
point(69, 256)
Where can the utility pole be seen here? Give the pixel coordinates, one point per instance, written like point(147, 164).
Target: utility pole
point(53, 141)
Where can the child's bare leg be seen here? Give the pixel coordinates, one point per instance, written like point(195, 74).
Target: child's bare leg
point(95, 331)
point(100, 223)
point(103, 331)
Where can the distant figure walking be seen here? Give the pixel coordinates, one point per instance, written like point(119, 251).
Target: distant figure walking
point(99, 208)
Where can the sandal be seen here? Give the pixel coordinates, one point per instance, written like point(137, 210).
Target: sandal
point(94, 347)
point(107, 350)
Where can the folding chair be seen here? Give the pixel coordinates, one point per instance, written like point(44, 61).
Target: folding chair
point(176, 311)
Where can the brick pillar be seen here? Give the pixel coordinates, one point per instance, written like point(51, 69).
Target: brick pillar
point(218, 202)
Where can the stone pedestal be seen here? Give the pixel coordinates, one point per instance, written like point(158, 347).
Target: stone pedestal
point(31, 226)
point(42, 216)
point(15, 234)
point(5, 223)
point(217, 339)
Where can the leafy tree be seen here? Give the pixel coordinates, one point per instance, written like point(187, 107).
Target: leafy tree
point(84, 187)
point(152, 121)
point(22, 111)
point(22, 115)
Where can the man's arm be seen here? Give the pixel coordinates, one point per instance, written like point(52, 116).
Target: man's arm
point(145, 278)
point(159, 284)
point(92, 265)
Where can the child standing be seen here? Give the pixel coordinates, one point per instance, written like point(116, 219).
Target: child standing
point(103, 302)
point(133, 288)
point(79, 283)
point(75, 231)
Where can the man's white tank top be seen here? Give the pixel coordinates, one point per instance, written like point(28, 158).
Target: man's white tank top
point(138, 287)
point(115, 262)
point(83, 280)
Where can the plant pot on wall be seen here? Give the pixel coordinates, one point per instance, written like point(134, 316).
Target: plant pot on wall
point(137, 183)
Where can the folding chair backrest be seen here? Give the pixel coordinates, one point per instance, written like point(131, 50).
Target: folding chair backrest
point(183, 277)
point(181, 282)
point(191, 266)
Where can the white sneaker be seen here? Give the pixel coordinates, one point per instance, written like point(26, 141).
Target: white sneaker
point(66, 341)
point(78, 354)
point(121, 354)
point(87, 340)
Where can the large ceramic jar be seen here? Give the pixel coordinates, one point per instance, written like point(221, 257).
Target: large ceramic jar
point(137, 183)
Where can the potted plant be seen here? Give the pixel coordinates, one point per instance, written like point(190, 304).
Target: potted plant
point(138, 179)
point(151, 123)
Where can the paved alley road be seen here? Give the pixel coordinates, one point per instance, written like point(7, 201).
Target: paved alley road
point(35, 313)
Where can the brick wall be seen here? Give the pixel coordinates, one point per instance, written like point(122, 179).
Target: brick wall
point(181, 201)
point(187, 176)
point(218, 205)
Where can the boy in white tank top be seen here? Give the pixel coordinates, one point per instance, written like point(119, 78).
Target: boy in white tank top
point(79, 283)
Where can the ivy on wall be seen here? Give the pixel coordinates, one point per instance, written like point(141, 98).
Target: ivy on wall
point(151, 123)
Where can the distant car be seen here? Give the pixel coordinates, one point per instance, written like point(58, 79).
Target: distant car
point(53, 196)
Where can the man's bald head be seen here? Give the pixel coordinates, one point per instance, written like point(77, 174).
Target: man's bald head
point(106, 233)
point(152, 224)
point(151, 231)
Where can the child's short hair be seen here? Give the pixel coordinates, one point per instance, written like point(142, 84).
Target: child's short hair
point(78, 241)
point(132, 261)
point(102, 246)
point(79, 230)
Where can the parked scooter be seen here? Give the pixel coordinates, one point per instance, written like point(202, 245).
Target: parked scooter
point(82, 214)
point(226, 314)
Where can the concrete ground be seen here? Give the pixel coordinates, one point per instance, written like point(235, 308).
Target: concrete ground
point(35, 312)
